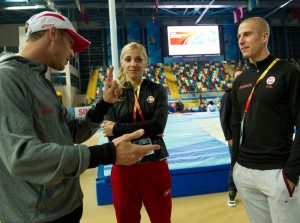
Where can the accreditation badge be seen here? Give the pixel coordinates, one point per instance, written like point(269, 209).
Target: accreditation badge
point(242, 128)
point(144, 141)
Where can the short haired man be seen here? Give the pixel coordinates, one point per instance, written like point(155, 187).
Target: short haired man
point(41, 158)
point(265, 110)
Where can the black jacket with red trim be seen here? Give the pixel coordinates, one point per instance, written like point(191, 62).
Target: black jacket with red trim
point(153, 99)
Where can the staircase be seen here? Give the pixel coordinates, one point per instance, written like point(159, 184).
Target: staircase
point(172, 82)
point(228, 68)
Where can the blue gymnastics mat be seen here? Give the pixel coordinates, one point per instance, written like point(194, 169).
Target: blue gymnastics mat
point(199, 160)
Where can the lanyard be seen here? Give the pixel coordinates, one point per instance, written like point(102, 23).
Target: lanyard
point(257, 82)
point(137, 105)
point(250, 97)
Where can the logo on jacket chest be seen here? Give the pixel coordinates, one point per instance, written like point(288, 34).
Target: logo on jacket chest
point(270, 81)
point(245, 86)
point(150, 100)
point(45, 111)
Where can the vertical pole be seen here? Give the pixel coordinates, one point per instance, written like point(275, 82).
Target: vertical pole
point(113, 36)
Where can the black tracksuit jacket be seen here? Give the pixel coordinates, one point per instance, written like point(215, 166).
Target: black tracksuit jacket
point(269, 125)
point(153, 99)
point(226, 113)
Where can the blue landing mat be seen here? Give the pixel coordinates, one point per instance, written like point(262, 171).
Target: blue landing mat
point(198, 162)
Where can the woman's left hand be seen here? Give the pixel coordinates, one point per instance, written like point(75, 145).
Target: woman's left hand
point(107, 128)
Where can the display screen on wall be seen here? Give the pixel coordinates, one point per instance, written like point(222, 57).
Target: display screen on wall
point(193, 40)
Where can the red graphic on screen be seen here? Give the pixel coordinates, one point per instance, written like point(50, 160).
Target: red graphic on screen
point(179, 38)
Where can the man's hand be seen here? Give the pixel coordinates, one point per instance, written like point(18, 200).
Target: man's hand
point(128, 153)
point(291, 185)
point(111, 88)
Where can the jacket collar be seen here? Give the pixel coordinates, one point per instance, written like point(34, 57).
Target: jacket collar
point(263, 64)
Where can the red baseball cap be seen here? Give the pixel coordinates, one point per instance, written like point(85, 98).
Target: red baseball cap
point(45, 20)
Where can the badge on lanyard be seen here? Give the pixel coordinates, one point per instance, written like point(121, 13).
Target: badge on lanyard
point(144, 141)
point(242, 128)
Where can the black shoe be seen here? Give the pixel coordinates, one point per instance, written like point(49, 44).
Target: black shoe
point(231, 202)
point(232, 192)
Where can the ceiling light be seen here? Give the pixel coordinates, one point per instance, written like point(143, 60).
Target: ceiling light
point(16, 1)
point(24, 7)
point(191, 6)
point(285, 3)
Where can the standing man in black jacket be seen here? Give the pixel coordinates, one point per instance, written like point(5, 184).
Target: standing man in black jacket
point(225, 119)
point(267, 157)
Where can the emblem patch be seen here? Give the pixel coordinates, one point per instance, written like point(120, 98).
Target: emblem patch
point(271, 80)
point(150, 99)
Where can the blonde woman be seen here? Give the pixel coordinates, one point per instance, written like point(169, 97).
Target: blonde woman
point(143, 104)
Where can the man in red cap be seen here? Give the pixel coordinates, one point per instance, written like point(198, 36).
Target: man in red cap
point(41, 157)
point(46, 20)
point(61, 41)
